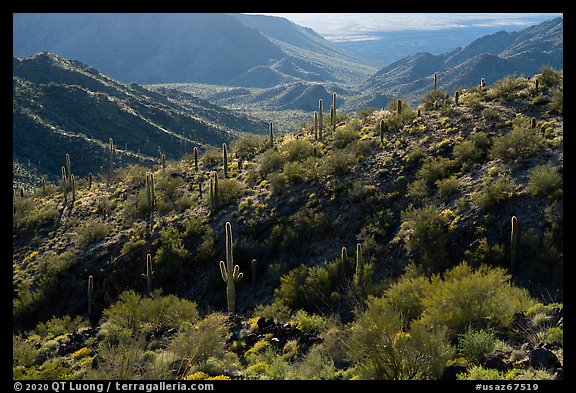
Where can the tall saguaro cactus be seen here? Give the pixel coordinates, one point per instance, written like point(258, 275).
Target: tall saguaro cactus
point(196, 158)
point(225, 160)
point(513, 242)
point(333, 112)
point(320, 119)
point(271, 132)
point(382, 130)
point(435, 80)
point(90, 294)
point(399, 106)
point(111, 151)
point(315, 126)
point(343, 261)
point(230, 272)
point(358, 278)
point(149, 273)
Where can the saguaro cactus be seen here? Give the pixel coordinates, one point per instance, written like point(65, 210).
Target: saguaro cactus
point(358, 278)
point(163, 160)
point(254, 266)
point(320, 119)
point(382, 130)
point(73, 186)
point(271, 131)
point(230, 272)
point(482, 83)
point(435, 80)
point(334, 112)
point(513, 242)
point(150, 192)
point(225, 160)
point(399, 106)
point(149, 273)
point(89, 180)
point(111, 151)
point(315, 126)
point(90, 294)
point(196, 158)
point(68, 167)
point(343, 261)
point(64, 184)
point(456, 97)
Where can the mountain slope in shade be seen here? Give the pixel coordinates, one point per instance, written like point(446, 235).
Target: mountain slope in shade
point(196, 47)
point(490, 57)
point(69, 107)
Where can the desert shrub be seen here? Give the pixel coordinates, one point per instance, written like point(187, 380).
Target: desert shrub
point(271, 160)
point(556, 104)
point(230, 190)
point(383, 350)
point(23, 353)
point(479, 373)
point(475, 344)
point(91, 232)
point(550, 77)
point(478, 298)
point(434, 168)
point(424, 232)
point(296, 149)
point(494, 191)
point(29, 216)
point(345, 135)
point(308, 322)
point(484, 253)
point(448, 186)
point(523, 141)
point(505, 88)
point(57, 326)
point(468, 154)
point(211, 157)
point(121, 359)
point(171, 256)
point(434, 100)
point(248, 145)
point(339, 163)
point(314, 365)
point(133, 315)
point(544, 180)
point(196, 342)
point(473, 99)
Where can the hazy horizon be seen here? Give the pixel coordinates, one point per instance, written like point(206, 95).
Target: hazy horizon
point(346, 27)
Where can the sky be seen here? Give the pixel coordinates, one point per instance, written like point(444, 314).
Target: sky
point(359, 26)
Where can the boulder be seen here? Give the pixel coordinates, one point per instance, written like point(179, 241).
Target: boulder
point(543, 358)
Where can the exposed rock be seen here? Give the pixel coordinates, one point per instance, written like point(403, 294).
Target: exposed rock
point(544, 358)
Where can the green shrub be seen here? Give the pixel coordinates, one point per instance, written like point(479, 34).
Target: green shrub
point(313, 366)
point(468, 154)
point(23, 353)
point(91, 232)
point(197, 342)
point(505, 88)
point(435, 99)
point(57, 326)
point(248, 145)
point(448, 186)
point(478, 298)
point(556, 104)
point(345, 135)
point(270, 161)
point(494, 191)
point(544, 180)
point(230, 190)
point(211, 157)
point(434, 168)
point(475, 344)
point(424, 232)
point(307, 322)
point(383, 350)
point(296, 149)
point(523, 141)
point(339, 163)
point(550, 77)
point(171, 257)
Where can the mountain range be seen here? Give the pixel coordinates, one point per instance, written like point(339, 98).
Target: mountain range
point(69, 107)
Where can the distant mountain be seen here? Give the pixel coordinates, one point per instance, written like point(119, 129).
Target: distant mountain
point(227, 49)
point(62, 106)
point(490, 57)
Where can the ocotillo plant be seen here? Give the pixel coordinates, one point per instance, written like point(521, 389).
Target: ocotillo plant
point(90, 294)
point(358, 278)
point(149, 273)
point(271, 132)
point(225, 160)
point(513, 242)
point(320, 119)
point(230, 272)
point(195, 158)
